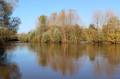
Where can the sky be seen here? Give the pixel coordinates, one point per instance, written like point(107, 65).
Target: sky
point(29, 10)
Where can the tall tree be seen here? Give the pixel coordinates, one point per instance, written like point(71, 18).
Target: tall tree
point(52, 19)
point(6, 9)
point(8, 24)
point(43, 20)
point(97, 18)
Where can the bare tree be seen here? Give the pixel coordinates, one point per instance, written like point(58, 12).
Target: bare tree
point(97, 18)
point(108, 15)
point(52, 19)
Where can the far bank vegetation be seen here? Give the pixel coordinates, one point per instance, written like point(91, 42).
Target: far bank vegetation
point(67, 27)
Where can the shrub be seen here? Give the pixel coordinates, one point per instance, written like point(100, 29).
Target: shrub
point(45, 37)
point(56, 35)
point(72, 39)
point(36, 38)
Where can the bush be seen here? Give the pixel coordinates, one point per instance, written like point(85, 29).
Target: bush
point(36, 39)
point(73, 39)
point(45, 37)
point(31, 35)
point(22, 37)
point(56, 35)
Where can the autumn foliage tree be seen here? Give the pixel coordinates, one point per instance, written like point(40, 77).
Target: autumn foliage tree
point(66, 27)
point(8, 25)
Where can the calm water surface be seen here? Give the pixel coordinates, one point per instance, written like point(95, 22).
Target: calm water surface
point(60, 61)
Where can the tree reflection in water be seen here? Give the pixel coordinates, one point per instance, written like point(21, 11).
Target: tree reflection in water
point(63, 58)
point(107, 59)
point(8, 70)
point(104, 59)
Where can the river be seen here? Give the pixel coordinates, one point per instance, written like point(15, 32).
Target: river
point(60, 61)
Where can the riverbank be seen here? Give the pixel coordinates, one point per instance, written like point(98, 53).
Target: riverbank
point(81, 42)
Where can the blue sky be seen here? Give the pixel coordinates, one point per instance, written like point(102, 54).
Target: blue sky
point(29, 10)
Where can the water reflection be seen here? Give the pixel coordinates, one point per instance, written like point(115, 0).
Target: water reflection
point(8, 69)
point(71, 61)
point(103, 59)
point(62, 58)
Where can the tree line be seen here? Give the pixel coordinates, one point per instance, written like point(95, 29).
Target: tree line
point(66, 27)
point(8, 25)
